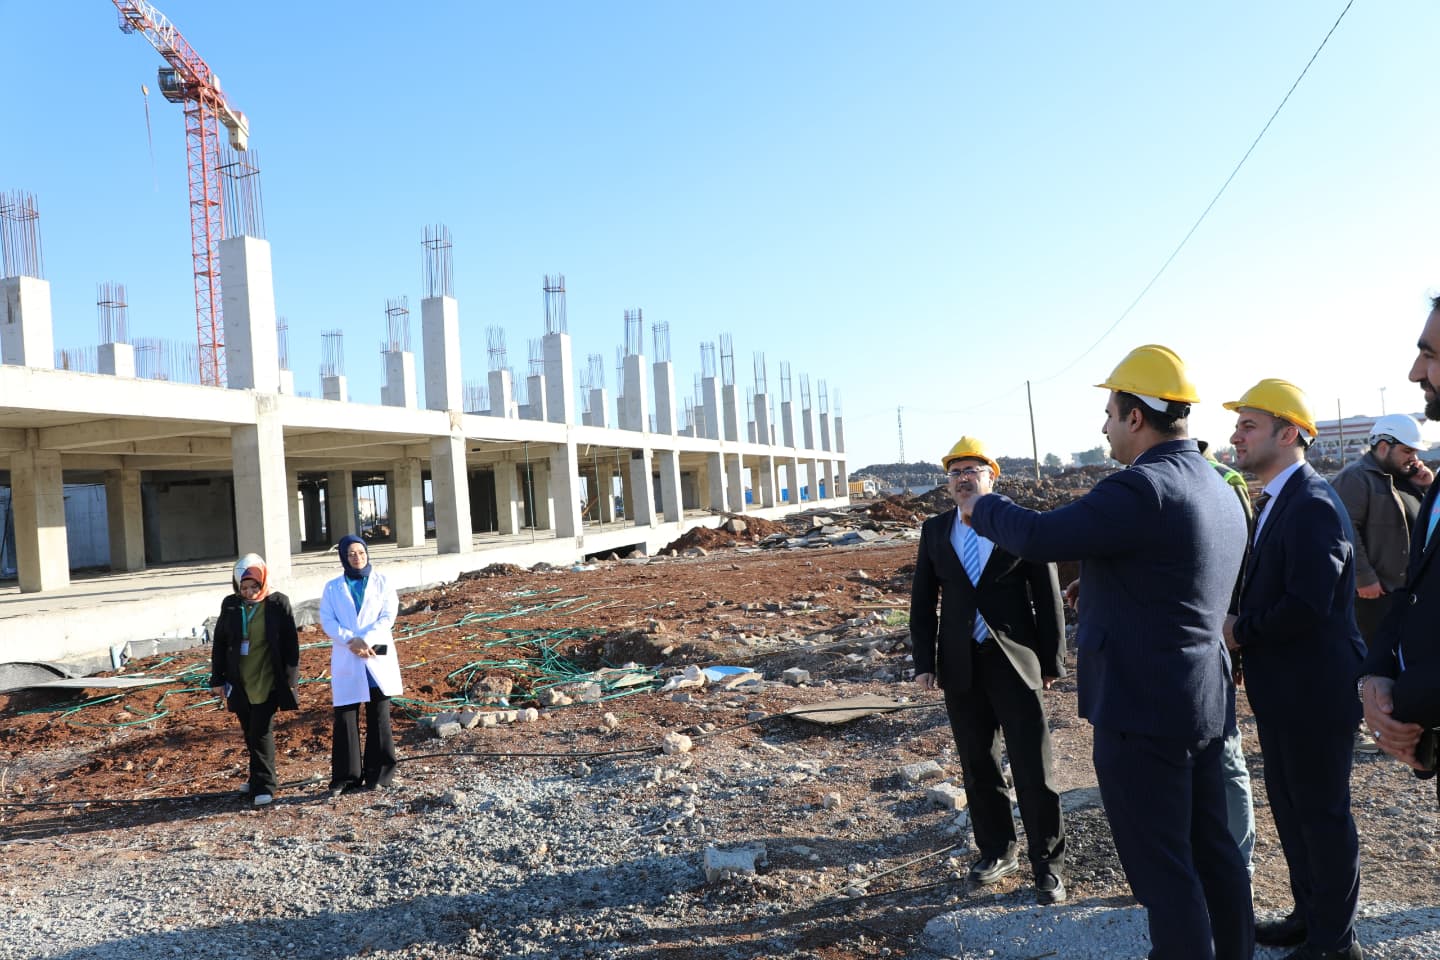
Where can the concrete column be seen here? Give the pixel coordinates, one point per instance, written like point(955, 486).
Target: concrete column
point(37, 503)
point(668, 461)
point(627, 487)
point(665, 405)
point(750, 432)
point(787, 424)
point(126, 520)
point(635, 401)
point(825, 431)
point(310, 499)
point(792, 480)
point(292, 504)
point(807, 428)
point(507, 497)
point(559, 390)
point(715, 481)
point(605, 493)
point(287, 382)
point(598, 407)
point(335, 388)
point(535, 390)
point(640, 492)
point(440, 336)
point(116, 359)
point(407, 503)
point(842, 478)
point(399, 389)
point(502, 394)
point(252, 346)
point(812, 478)
point(339, 505)
point(839, 434)
point(262, 517)
point(450, 485)
point(730, 400)
point(565, 488)
point(735, 483)
point(537, 493)
point(710, 391)
point(763, 472)
point(763, 432)
point(27, 336)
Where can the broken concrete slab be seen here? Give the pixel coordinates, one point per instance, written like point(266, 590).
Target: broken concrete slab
point(844, 709)
point(921, 772)
point(733, 862)
point(947, 796)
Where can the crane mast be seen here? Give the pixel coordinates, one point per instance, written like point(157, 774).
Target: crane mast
point(188, 80)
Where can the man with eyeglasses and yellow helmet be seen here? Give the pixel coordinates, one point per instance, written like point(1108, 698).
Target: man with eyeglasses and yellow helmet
point(1295, 623)
point(999, 639)
point(1160, 546)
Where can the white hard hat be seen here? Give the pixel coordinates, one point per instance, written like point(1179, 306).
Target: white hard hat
point(1400, 428)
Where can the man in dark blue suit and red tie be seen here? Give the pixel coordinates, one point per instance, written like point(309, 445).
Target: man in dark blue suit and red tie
point(1295, 623)
point(999, 639)
point(1160, 546)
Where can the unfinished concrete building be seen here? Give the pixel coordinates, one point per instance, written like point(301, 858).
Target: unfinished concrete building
point(195, 475)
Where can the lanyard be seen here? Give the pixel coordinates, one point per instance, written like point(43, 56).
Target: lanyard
point(247, 614)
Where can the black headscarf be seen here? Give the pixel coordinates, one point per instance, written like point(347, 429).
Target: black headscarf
point(354, 573)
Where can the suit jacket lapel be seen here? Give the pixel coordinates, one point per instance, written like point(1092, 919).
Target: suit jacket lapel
point(956, 567)
point(1420, 552)
point(1278, 506)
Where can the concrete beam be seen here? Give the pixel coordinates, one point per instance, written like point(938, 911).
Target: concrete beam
point(101, 433)
point(11, 439)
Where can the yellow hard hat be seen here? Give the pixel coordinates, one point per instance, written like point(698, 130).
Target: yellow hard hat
point(1153, 371)
point(1279, 398)
point(969, 448)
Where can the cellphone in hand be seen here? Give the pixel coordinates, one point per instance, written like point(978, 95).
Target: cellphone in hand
point(381, 649)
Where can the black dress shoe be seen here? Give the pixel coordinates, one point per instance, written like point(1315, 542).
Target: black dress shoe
point(990, 869)
point(1287, 931)
point(1050, 888)
point(1308, 952)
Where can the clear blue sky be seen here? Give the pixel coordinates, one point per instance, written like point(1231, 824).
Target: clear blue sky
point(923, 204)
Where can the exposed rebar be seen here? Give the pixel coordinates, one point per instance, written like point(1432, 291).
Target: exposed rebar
point(397, 324)
point(727, 361)
point(438, 261)
point(495, 347)
point(175, 360)
point(477, 397)
point(536, 351)
point(243, 198)
point(634, 332)
point(707, 359)
point(282, 341)
point(762, 384)
point(332, 353)
point(660, 337)
point(113, 310)
point(784, 381)
point(555, 321)
point(804, 391)
point(79, 359)
point(20, 251)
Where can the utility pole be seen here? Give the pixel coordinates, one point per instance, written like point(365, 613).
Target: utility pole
point(1034, 447)
point(900, 430)
point(1340, 425)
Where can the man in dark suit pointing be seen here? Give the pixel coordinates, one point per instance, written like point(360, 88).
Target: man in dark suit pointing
point(999, 639)
point(1160, 545)
point(1296, 626)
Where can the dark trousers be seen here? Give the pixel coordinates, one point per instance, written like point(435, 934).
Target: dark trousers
point(1165, 799)
point(377, 765)
point(999, 700)
point(257, 723)
point(1307, 777)
point(1370, 613)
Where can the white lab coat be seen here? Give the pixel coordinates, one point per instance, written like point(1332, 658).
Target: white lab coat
point(372, 623)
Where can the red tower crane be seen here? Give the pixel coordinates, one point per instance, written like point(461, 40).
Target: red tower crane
point(189, 80)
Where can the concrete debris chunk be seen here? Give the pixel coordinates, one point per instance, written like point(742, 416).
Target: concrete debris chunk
point(921, 772)
point(445, 717)
point(489, 719)
point(587, 692)
point(946, 796)
point(608, 722)
point(692, 676)
point(675, 743)
point(737, 679)
point(468, 719)
point(831, 801)
point(796, 676)
point(681, 696)
point(528, 715)
point(734, 862)
point(445, 731)
point(552, 697)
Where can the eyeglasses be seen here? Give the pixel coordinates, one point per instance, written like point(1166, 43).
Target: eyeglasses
point(959, 472)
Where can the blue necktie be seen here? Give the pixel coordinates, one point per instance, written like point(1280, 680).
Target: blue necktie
point(970, 559)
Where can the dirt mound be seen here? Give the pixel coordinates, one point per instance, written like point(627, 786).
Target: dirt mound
point(493, 570)
point(891, 509)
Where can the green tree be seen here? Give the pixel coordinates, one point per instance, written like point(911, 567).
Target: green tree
point(1051, 460)
point(1092, 457)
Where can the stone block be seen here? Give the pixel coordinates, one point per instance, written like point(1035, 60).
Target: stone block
point(946, 796)
point(489, 720)
point(922, 772)
point(445, 731)
point(796, 676)
point(734, 862)
point(675, 743)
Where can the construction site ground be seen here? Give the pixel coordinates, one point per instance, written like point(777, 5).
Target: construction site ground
point(573, 834)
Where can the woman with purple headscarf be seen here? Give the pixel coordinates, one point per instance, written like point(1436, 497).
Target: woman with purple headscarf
point(357, 611)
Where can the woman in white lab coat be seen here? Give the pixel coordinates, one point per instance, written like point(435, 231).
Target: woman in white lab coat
point(357, 611)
